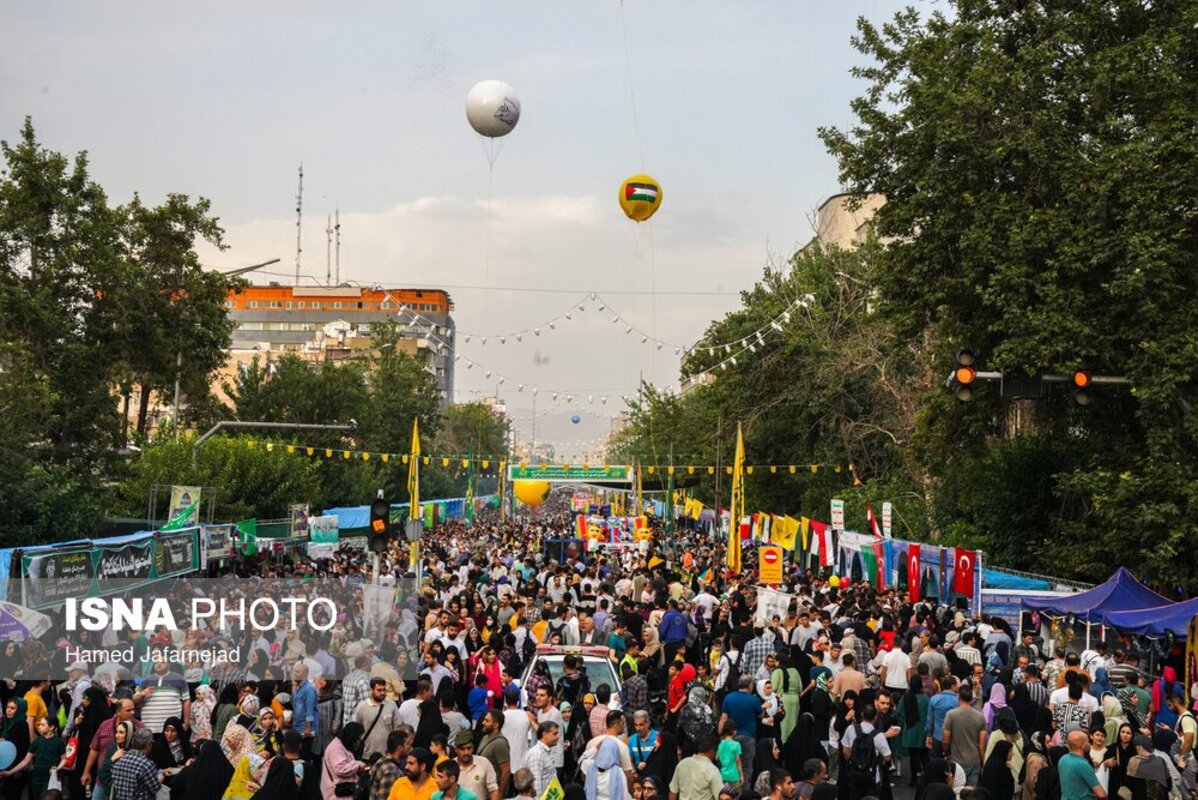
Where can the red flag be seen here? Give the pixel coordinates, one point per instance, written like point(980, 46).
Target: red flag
point(822, 543)
point(873, 522)
point(913, 572)
point(880, 558)
point(963, 572)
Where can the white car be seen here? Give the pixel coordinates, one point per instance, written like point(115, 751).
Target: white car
point(595, 664)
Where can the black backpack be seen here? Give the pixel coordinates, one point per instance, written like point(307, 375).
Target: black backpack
point(732, 682)
point(863, 757)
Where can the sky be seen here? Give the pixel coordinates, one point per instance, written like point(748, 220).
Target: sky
point(718, 101)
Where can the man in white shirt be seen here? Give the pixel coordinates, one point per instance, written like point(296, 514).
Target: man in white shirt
point(457, 640)
point(517, 728)
point(896, 669)
point(707, 603)
point(546, 711)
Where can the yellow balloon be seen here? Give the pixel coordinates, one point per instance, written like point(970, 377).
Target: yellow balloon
point(834, 581)
point(531, 493)
point(640, 197)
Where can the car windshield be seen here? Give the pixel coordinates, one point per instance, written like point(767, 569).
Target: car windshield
point(598, 671)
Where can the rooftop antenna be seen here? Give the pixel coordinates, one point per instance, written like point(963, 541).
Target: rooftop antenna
point(299, 220)
point(337, 233)
point(328, 249)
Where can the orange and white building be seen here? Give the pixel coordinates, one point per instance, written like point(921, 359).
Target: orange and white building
point(318, 322)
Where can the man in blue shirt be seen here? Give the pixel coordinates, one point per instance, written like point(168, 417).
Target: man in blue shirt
point(938, 708)
point(744, 708)
point(304, 717)
point(673, 631)
point(1078, 781)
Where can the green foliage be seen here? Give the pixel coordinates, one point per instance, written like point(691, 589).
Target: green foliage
point(1041, 177)
point(832, 387)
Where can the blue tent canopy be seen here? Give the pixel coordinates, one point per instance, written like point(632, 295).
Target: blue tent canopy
point(1121, 592)
point(1155, 621)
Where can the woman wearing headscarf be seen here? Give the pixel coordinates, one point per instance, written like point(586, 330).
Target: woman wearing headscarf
point(787, 685)
point(846, 715)
point(16, 731)
point(93, 710)
point(280, 781)
point(172, 750)
point(1048, 781)
point(605, 780)
point(1148, 774)
point(804, 744)
point(238, 744)
point(224, 711)
point(122, 734)
point(914, 709)
point(1036, 760)
point(771, 706)
point(1101, 684)
point(997, 702)
point(695, 721)
point(933, 783)
point(1121, 749)
point(206, 778)
point(1162, 745)
point(340, 763)
point(201, 713)
point(1007, 730)
point(996, 772)
point(1128, 703)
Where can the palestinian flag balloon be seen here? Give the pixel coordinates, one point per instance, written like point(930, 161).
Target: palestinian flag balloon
point(640, 197)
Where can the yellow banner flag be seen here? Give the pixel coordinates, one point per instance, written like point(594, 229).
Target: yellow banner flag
point(414, 472)
point(785, 532)
point(738, 504)
point(554, 791)
point(806, 530)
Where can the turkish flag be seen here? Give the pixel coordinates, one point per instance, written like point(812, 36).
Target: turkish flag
point(880, 559)
point(913, 572)
point(963, 572)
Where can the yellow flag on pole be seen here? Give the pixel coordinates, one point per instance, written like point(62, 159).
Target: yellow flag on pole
point(738, 503)
point(414, 473)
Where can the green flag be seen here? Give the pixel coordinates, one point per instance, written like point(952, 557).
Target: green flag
point(871, 566)
point(248, 530)
point(470, 485)
point(184, 519)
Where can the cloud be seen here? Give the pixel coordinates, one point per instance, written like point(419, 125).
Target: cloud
point(574, 243)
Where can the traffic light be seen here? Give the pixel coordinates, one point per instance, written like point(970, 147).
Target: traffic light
point(380, 525)
point(964, 374)
point(1081, 380)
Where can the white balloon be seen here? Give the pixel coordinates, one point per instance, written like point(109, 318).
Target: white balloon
point(492, 108)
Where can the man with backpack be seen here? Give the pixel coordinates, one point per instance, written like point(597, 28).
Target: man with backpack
point(866, 755)
point(727, 676)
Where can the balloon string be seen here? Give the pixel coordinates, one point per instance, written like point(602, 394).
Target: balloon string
point(487, 234)
point(653, 295)
point(636, 124)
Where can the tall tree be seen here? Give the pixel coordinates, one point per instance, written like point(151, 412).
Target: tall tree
point(1041, 175)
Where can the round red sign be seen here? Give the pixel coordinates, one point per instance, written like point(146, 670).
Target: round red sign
point(769, 556)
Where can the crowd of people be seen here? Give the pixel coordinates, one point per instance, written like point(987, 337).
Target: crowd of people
point(850, 693)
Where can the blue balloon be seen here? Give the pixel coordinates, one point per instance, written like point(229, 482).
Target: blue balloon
point(8, 754)
point(576, 419)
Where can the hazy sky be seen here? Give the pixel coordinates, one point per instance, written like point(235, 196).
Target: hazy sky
point(225, 99)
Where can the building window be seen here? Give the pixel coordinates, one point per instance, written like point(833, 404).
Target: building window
point(314, 305)
point(230, 304)
point(337, 304)
point(389, 304)
point(361, 304)
point(299, 304)
point(274, 304)
point(288, 305)
point(252, 304)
